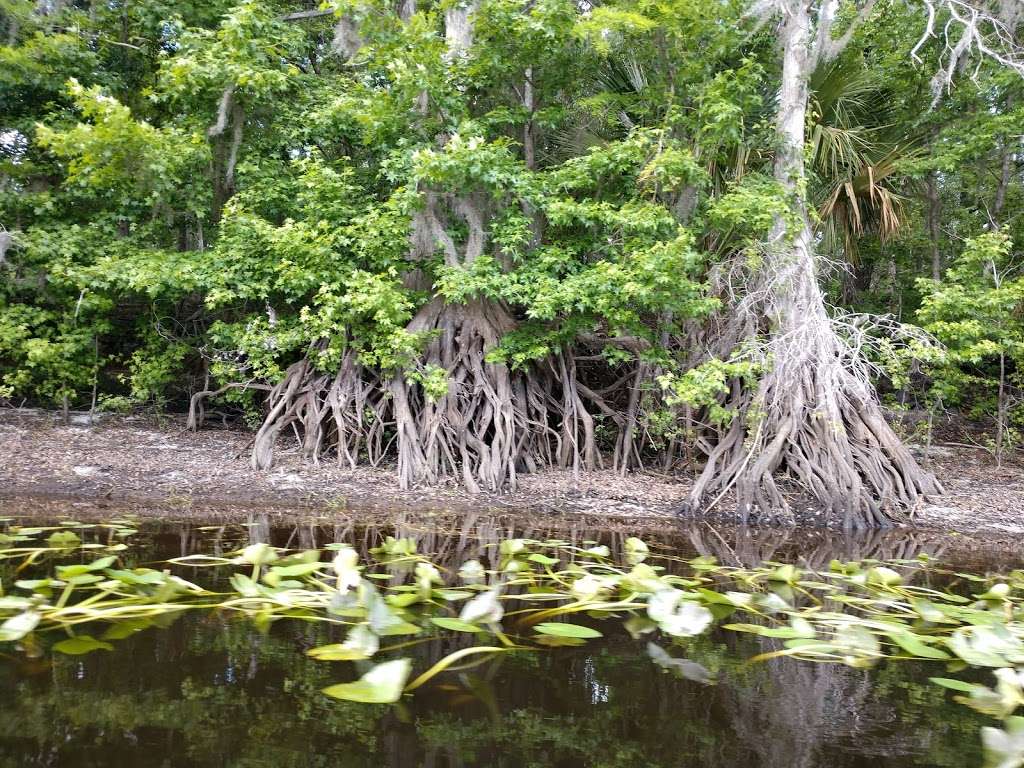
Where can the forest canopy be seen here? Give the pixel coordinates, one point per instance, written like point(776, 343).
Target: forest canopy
point(477, 238)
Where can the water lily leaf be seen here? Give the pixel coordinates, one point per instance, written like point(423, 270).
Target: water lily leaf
point(884, 576)
point(66, 572)
point(85, 578)
point(999, 591)
point(18, 626)
point(381, 685)
point(928, 611)
point(298, 569)
point(558, 629)
point(403, 600)
point(787, 574)
point(454, 595)
point(954, 685)
point(384, 621)
point(76, 646)
point(485, 608)
point(245, 586)
point(471, 571)
point(42, 586)
point(915, 646)
point(258, 554)
point(798, 628)
point(676, 615)
point(138, 576)
point(1004, 748)
point(455, 625)
point(126, 628)
point(361, 643)
point(636, 550)
point(986, 646)
point(12, 603)
point(537, 557)
point(559, 642)
point(63, 539)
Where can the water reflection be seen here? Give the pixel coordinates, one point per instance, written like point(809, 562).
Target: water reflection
point(210, 690)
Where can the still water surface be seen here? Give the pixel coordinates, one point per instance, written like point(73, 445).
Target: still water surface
point(213, 690)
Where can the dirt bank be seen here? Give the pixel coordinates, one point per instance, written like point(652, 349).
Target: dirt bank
point(141, 460)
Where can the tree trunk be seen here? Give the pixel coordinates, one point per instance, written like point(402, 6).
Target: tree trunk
point(814, 415)
point(932, 216)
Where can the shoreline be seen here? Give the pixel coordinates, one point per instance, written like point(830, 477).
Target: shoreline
point(154, 463)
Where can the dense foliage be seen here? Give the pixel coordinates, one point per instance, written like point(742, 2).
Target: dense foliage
point(488, 237)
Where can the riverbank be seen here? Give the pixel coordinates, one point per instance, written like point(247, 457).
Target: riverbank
point(129, 460)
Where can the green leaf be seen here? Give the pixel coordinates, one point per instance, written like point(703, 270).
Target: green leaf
point(76, 646)
point(915, 646)
point(559, 629)
point(381, 685)
point(18, 626)
point(455, 625)
point(954, 685)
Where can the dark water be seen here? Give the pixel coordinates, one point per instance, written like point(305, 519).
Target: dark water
point(212, 690)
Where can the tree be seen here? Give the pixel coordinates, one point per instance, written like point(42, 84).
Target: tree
point(976, 312)
point(813, 412)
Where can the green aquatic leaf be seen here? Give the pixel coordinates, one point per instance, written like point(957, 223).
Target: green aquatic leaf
point(63, 539)
point(955, 685)
point(884, 576)
point(258, 554)
point(798, 628)
point(636, 550)
point(65, 572)
point(18, 626)
point(537, 557)
point(361, 643)
point(381, 685)
point(455, 625)
point(787, 574)
point(472, 571)
point(296, 569)
point(986, 646)
point(559, 629)
point(1004, 747)
point(485, 608)
point(915, 645)
point(677, 615)
point(127, 627)
point(82, 644)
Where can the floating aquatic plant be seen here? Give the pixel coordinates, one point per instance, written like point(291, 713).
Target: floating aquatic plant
point(76, 580)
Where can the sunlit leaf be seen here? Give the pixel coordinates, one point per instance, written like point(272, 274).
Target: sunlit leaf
point(381, 685)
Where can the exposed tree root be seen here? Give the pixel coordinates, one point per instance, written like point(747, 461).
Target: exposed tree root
point(346, 413)
point(491, 423)
point(813, 415)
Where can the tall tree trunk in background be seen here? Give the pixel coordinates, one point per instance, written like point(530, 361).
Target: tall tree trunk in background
point(813, 414)
point(932, 214)
point(1007, 165)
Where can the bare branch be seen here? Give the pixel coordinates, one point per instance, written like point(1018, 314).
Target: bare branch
point(970, 29)
point(827, 48)
point(303, 15)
